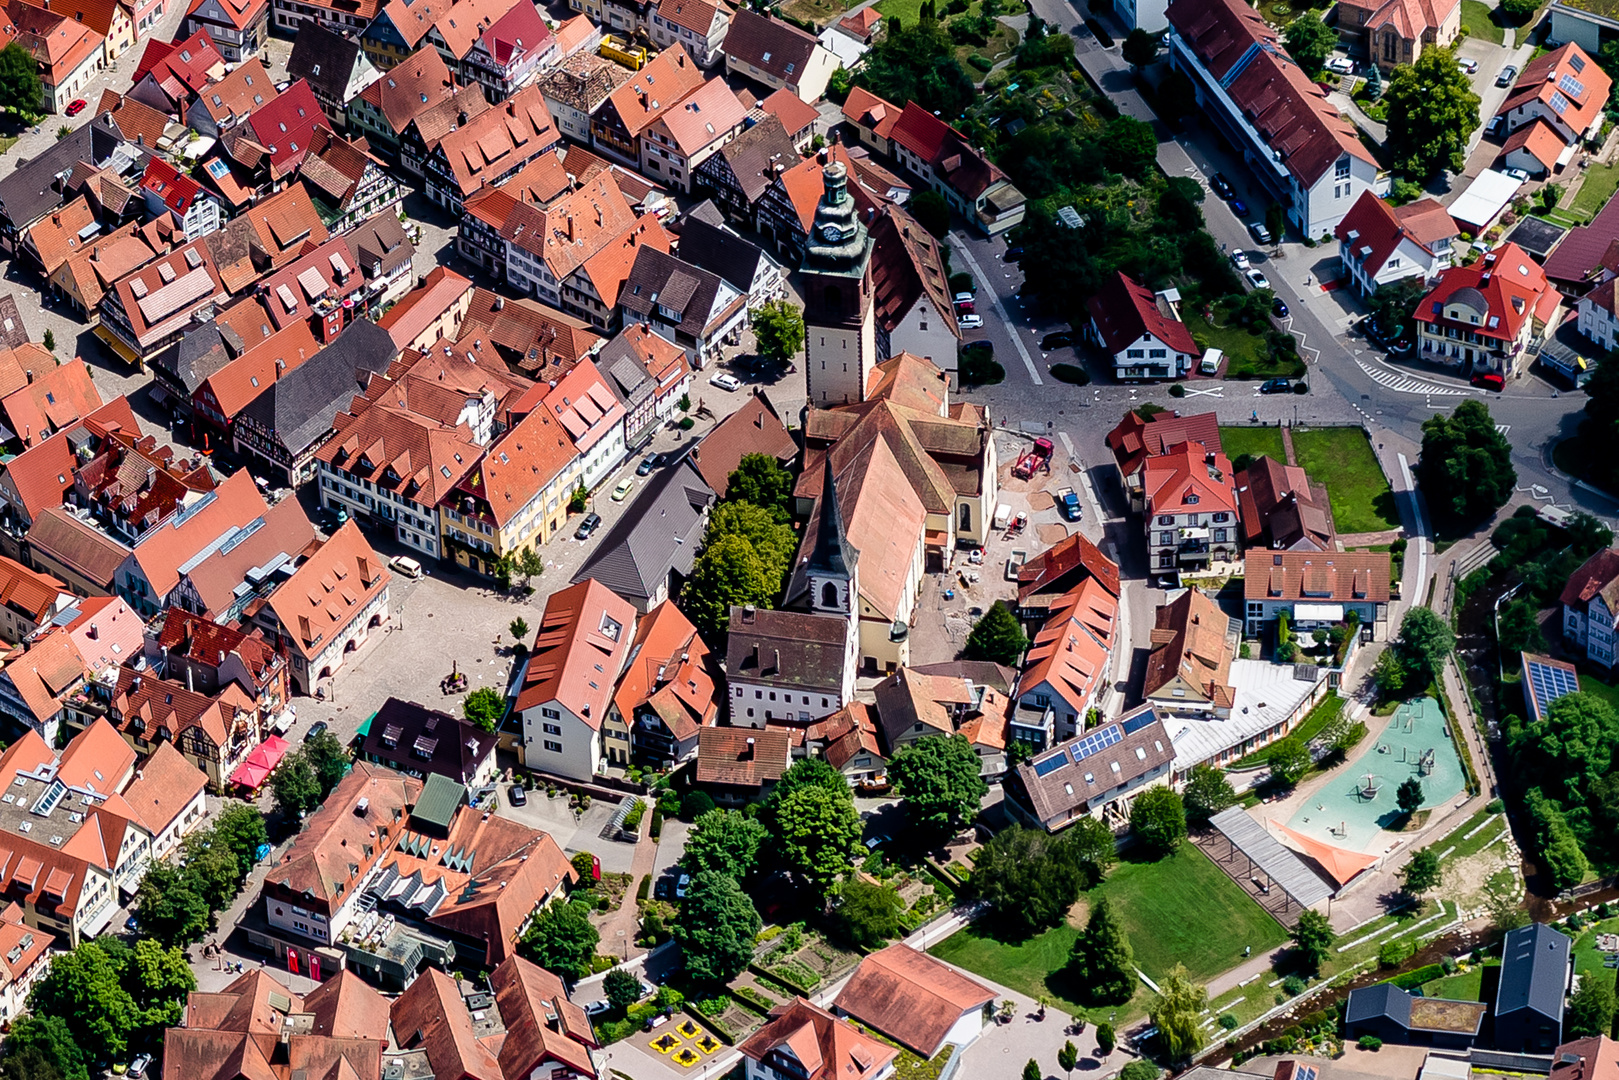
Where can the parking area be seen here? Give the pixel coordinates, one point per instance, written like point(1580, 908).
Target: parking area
point(574, 832)
point(671, 847)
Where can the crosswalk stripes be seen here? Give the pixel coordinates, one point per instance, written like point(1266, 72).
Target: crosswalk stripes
point(1405, 384)
point(1503, 428)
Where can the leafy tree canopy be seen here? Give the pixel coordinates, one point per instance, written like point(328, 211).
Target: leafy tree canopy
point(918, 63)
point(1178, 1014)
point(1102, 962)
point(484, 706)
point(1423, 872)
point(1033, 878)
point(1207, 793)
point(725, 841)
point(41, 1048)
point(1314, 937)
point(816, 834)
point(1310, 40)
point(716, 927)
point(997, 637)
point(20, 85)
point(938, 777)
point(931, 212)
point(868, 914)
point(760, 480)
point(296, 787)
point(561, 939)
point(1465, 470)
point(1432, 111)
point(1158, 820)
point(778, 330)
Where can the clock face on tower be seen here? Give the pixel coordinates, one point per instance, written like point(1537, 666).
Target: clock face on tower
point(831, 233)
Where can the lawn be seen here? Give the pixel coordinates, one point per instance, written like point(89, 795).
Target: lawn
point(1477, 22)
point(1182, 909)
point(1247, 355)
point(1463, 986)
point(1597, 188)
point(910, 11)
point(1598, 688)
point(1253, 441)
point(1342, 459)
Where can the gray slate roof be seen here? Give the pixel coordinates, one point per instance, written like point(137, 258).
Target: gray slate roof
point(712, 247)
point(33, 189)
point(452, 747)
point(661, 280)
point(323, 58)
point(299, 406)
point(787, 648)
point(1534, 971)
point(658, 533)
point(200, 353)
point(1378, 1000)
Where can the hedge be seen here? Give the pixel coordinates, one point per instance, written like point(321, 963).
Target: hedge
point(1415, 978)
point(642, 890)
point(657, 822)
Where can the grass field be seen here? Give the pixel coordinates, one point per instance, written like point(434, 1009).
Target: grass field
point(1478, 23)
point(1253, 441)
point(1342, 459)
point(1247, 355)
point(1597, 189)
point(1598, 688)
point(1463, 986)
point(1182, 909)
point(910, 11)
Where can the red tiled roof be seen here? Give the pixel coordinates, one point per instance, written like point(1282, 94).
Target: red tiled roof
point(1540, 140)
point(871, 112)
point(1378, 228)
point(329, 591)
point(1134, 439)
point(583, 626)
point(910, 997)
point(1190, 476)
point(1506, 284)
point(56, 398)
point(826, 1047)
point(1331, 577)
point(1125, 312)
point(286, 124)
point(741, 756)
point(1568, 82)
point(669, 675)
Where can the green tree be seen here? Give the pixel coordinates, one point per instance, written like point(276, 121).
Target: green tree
point(1408, 796)
point(1519, 628)
point(561, 939)
point(1140, 48)
point(778, 328)
point(997, 637)
point(726, 842)
point(715, 928)
point(1140, 1069)
point(918, 63)
point(1177, 1015)
point(807, 773)
point(1106, 1039)
point(20, 87)
point(1310, 41)
point(41, 1048)
point(1389, 675)
point(240, 827)
point(1288, 760)
point(578, 499)
point(519, 631)
point(816, 833)
point(1033, 1071)
point(1032, 878)
point(1564, 861)
point(745, 555)
point(296, 787)
point(529, 564)
point(931, 212)
point(1465, 471)
point(1422, 872)
point(1374, 83)
point(1179, 204)
point(49, 340)
point(1517, 12)
point(1207, 793)
point(868, 914)
point(1102, 962)
point(1393, 304)
point(1570, 749)
point(158, 979)
point(1590, 1011)
point(1314, 938)
point(623, 989)
point(485, 707)
point(168, 908)
point(838, 86)
point(211, 869)
point(938, 777)
point(1424, 643)
point(1432, 112)
point(760, 480)
point(1068, 1057)
point(329, 758)
point(1158, 820)
point(1131, 146)
point(84, 987)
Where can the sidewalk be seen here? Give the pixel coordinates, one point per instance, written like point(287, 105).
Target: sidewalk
point(618, 931)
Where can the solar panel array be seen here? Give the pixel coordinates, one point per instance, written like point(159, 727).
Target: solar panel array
point(1558, 102)
point(1549, 682)
point(1050, 765)
point(1571, 86)
point(1096, 742)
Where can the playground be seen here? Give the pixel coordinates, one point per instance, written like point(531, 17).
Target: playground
point(1352, 810)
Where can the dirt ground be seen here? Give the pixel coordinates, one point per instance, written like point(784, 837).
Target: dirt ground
point(1052, 534)
point(1469, 882)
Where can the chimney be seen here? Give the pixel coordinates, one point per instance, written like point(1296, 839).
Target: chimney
point(747, 754)
point(570, 228)
point(500, 303)
point(778, 660)
point(30, 374)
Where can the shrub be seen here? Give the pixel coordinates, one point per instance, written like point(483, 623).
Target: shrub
point(981, 62)
point(642, 890)
point(1495, 806)
point(1072, 374)
point(695, 805)
point(632, 820)
point(1395, 953)
point(657, 821)
point(687, 423)
point(1449, 964)
point(1177, 391)
point(1416, 977)
point(1228, 1021)
point(1370, 1042)
point(1293, 986)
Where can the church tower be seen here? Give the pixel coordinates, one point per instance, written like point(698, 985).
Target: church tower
point(831, 586)
point(841, 337)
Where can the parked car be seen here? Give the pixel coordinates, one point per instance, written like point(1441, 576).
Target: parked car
point(1489, 380)
point(971, 322)
point(681, 886)
point(726, 382)
point(1257, 278)
point(1517, 174)
point(1059, 340)
point(591, 523)
point(1238, 207)
point(1068, 504)
point(1496, 126)
point(1013, 253)
point(318, 727)
point(1259, 232)
point(964, 298)
point(596, 1008)
point(1278, 308)
point(1508, 73)
point(142, 1062)
point(1468, 64)
point(517, 795)
point(1341, 65)
point(1276, 386)
point(622, 488)
point(648, 463)
point(964, 307)
point(407, 566)
point(73, 110)
point(1221, 186)
point(1239, 259)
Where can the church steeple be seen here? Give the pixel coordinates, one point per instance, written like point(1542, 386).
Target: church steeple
point(831, 568)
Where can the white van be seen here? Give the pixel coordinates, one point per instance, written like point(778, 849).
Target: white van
point(408, 566)
point(1210, 364)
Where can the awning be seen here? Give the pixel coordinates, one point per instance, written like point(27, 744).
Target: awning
point(1318, 613)
point(112, 341)
point(253, 772)
point(365, 727)
point(1341, 863)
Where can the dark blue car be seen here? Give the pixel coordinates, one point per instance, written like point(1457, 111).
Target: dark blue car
point(1239, 207)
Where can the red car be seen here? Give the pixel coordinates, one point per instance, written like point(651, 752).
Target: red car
point(77, 107)
point(1489, 380)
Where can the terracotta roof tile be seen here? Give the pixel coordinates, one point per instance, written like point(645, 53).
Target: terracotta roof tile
point(910, 997)
point(669, 77)
point(584, 626)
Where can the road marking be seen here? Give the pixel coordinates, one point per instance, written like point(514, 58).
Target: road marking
point(1215, 392)
point(1404, 384)
point(1503, 428)
point(1017, 338)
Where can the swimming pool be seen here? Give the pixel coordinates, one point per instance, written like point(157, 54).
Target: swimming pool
point(1415, 743)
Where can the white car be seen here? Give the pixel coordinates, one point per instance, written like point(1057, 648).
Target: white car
point(1341, 65)
point(408, 566)
point(1468, 64)
point(971, 322)
point(1517, 174)
point(1257, 279)
point(1239, 259)
point(726, 382)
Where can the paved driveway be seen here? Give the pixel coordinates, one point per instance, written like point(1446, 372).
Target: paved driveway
point(671, 846)
point(575, 835)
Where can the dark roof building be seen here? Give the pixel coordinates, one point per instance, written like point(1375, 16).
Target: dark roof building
point(705, 242)
point(78, 553)
point(419, 741)
point(292, 418)
point(1386, 1012)
point(653, 544)
point(333, 65)
point(36, 187)
point(755, 428)
point(1280, 509)
point(740, 172)
point(1097, 774)
point(791, 651)
point(1536, 962)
